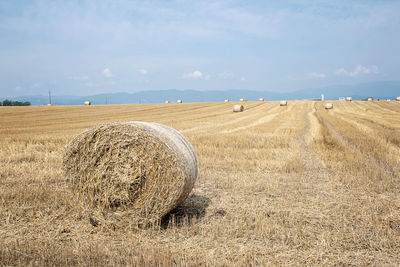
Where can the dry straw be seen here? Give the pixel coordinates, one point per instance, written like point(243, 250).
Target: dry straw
point(283, 103)
point(328, 106)
point(130, 173)
point(238, 108)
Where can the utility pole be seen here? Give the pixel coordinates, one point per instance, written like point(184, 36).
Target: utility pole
point(49, 97)
point(106, 100)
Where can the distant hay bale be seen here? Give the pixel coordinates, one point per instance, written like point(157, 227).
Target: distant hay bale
point(283, 103)
point(238, 108)
point(130, 173)
point(261, 99)
point(370, 99)
point(388, 100)
point(241, 100)
point(167, 102)
point(49, 104)
point(87, 103)
point(226, 100)
point(349, 98)
point(328, 106)
point(398, 98)
point(179, 101)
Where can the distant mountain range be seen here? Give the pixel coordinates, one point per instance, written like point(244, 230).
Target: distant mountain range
point(377, 90)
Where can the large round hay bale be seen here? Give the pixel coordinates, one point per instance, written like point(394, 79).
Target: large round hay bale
point(261, 99)
point(226, 100)
point(179, 101)
point(238, 108)
point(328, 106)
point(370, 99)
point(349, 98)
point(130, 172)
point(87, 103)
point(398, 98)
point(241, 100)
point(283, 103)
point(166, 101)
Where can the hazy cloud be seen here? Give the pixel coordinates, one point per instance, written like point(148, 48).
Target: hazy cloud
point(80, 78)
point(193, 75)
point(226, 75)
point(317, 75)
point(243, 79)
point(357, 71)
point(207, 77)
point(143, 71)
point(107, 73)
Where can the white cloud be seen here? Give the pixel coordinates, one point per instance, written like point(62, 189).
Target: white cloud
point(193, 75)
point(207, 77)
point(80, 78)
point(317, 75)
point(107, 73)
point(143, 71)
point(243, 79)
point(226, 75)
point(358, 70)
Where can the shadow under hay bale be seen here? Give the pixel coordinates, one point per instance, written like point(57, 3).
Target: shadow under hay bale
point(194, 207)
point(127, 174)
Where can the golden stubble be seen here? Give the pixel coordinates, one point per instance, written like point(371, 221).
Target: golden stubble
point(277, 185)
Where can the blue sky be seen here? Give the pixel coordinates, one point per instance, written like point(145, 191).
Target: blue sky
point(89, 47)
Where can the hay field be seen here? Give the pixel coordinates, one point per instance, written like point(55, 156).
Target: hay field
point(291, 185)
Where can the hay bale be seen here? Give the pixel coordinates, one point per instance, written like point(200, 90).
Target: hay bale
point(87, 103)
point(261, 99)
point(398, 98)
point(167, 102)
point(49, 104)
point(349, 98)
point(241, 100)
point(130, 173)
point(328, 106)
point(283, 103)
point(226, 100)
point(370, 99)
point(179, 101)
point(238, 108)
point(388, 100)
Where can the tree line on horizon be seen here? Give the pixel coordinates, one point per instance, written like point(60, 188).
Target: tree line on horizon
point(7, 102)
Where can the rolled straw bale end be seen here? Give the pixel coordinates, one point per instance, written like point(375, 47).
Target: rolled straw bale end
point(226, 100)
point(349, 98)
point(87, 103)
point(238, 108)
point(167, 102)
point(241, 100)
point(179, 101)
point(137, 170)
point(283, 103)
point(328, 106)
point(398, 98)
point(261, 99)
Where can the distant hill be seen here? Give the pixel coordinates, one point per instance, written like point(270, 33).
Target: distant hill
point(378, 90)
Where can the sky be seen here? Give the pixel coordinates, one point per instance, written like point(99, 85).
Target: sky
point(97, 46)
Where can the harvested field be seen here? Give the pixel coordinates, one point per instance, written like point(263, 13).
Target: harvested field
point(293, 186)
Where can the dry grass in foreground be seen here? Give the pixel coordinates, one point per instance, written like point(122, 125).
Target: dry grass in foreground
point(290, 185)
